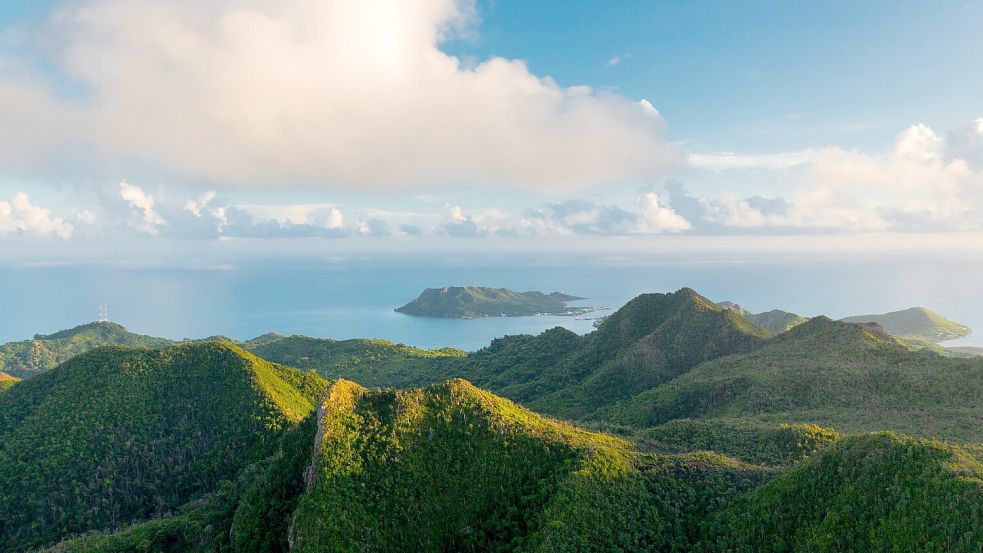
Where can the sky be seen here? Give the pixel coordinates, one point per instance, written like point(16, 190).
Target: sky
point(161, 128)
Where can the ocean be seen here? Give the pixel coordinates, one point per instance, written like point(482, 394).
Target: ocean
point(356, 299)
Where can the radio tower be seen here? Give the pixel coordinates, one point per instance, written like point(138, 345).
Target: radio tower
point(103, 314)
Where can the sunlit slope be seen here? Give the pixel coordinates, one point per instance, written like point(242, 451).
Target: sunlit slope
point(29, 358)
point(877, 492)
point(119, 435)
point(368, 362)
point(916, 324)
point(454, 468)
point(851, 377)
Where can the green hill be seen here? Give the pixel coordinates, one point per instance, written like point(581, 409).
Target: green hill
point(453, 468)
point(651, 340)
point(768, 444)
point(29, 358)
point(120, 435)
point(878, 492)
point(478, 301)
point(916, 324)
point(847, 376)
point(368, 362)
point(775, 321)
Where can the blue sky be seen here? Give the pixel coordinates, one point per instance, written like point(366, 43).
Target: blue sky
point(765, 76)
point(431, 122)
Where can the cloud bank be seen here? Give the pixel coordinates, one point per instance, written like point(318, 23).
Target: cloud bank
point(338, 93)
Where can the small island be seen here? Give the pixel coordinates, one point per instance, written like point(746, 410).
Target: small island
point(472, 302)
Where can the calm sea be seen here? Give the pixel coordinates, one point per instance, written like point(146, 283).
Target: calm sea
point(352, 300)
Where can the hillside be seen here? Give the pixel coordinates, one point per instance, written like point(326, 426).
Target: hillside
point(879, 492)
point(6, 381)
point(769, 444)
point(120, 435)
point(775, 321)
point(453, 468)
point(368, 362)
point(28, 358)
point(478, 301)
point(651, 340)
point(847, 376)
point(916, 324)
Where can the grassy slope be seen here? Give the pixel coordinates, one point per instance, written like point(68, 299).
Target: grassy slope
point(877, 492)
point(368, 362)
point(453, 468)
point(29, 358)
point(476, 301)
point(916, 324)
point(850, 377)
point(119, 435)
point(6, 381)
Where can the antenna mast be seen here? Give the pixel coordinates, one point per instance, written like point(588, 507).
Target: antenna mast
point(103, 314)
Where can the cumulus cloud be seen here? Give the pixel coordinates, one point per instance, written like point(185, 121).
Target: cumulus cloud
point(460, 225)
point(148, 220)
point(649, 215)
point(318, 91)
point(654, 217)
point(19, 216)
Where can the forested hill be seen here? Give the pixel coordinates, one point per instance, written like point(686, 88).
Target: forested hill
point(120, 435)
point(651, 340)
point(454, 468)
point(469, 302)
point(204, 447)
point(29, 358)
point(848, 376)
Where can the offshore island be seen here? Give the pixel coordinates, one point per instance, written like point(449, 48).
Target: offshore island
point(472, 302)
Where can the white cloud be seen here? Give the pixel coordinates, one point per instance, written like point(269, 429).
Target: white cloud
point(148, 219)
point(196, 205)
point(323, 215)
point(654, 217)
point(319, 91)
point(19, 215)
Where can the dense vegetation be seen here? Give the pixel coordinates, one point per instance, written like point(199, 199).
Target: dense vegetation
point(879, 492)
point(120, 435)
point(916, 324)
point(453, 468)
point(651, 340)
point(779, 445)
point(31, 357)
point(368, 362)
point(847, 376)
point(477, 301)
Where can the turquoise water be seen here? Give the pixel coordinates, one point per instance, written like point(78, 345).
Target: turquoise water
point(357, 299)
